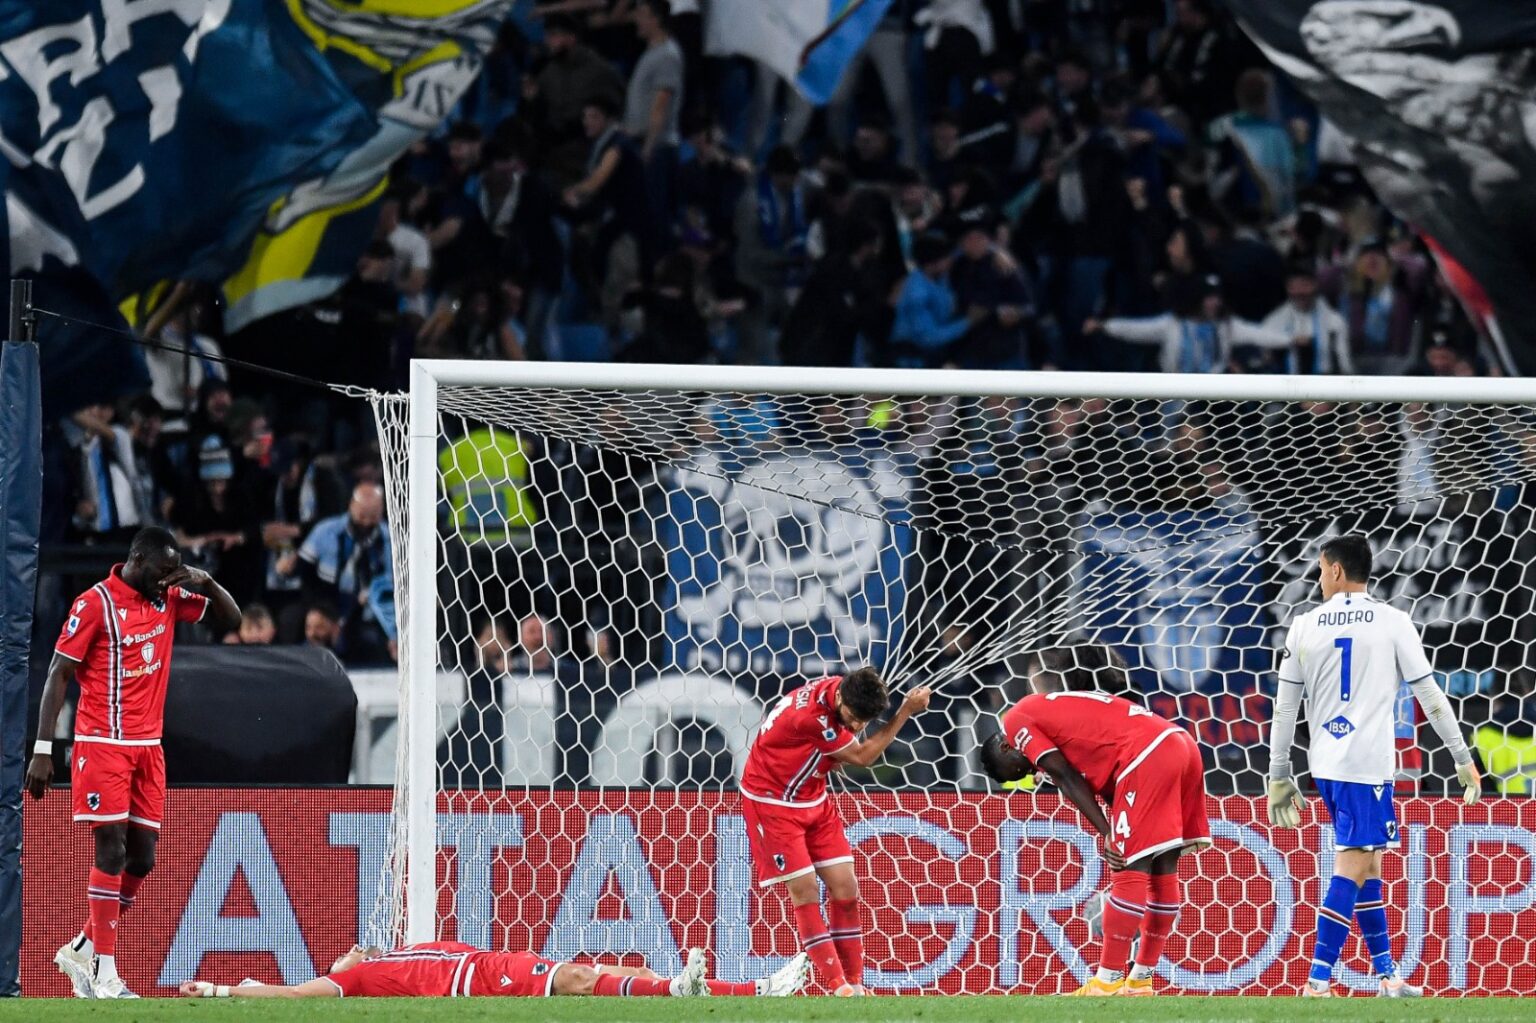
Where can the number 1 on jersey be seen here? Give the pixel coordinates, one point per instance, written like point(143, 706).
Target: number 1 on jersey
point(1346, 656)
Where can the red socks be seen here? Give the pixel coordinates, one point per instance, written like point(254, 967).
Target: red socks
point(731, 989)
point(103, 895)
point(610, 986)
point(1162, 914)
point(848, 937)
point(1124, 906)
point(819, 946)
point(129, 891)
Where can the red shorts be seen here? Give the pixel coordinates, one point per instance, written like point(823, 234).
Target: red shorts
point(788, 841)
point(1160, 800)
point(511, 974)
point(118, 783)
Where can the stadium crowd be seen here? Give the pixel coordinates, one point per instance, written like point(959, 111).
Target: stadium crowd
point(997, 184)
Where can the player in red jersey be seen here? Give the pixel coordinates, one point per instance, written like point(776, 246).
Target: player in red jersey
point(449, 969)
point(1146, 769)
point(117, 644)
point(794, 831)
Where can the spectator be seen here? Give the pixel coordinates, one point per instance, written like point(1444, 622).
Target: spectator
point(1198, 336)
point(471, 757)
point(176, 379)
point(927, 321)
point(840, 302)
point(321, 626)
point(612, 197)
point(413, 253)
point(1195, 64)
point(1307, 315)
point(520, 211)
point(654, 101)
point(573, 77)
point(339, 560)
point(673, 328)
point(872, 159)
point(256, 627)
point(104, 473)
point(987, 121)
point(535, 650)
point(986, 277)
point(1258, 169)
point(771, 230)
point(958, 35)
point(1380, 303)
point(217, 525)
point(887, 51)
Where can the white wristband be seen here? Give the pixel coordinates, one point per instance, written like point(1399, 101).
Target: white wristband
point(222, 991)
point(42, 748)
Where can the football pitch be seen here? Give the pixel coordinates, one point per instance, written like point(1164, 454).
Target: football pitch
point(959, 1009)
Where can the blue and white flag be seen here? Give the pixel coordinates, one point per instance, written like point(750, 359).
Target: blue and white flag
point(808, 42)
point(233, 142)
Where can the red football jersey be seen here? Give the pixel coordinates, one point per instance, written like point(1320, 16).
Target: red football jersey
point(1100, 735)
point(443, 969)
point(789, 758)
point(122, 643)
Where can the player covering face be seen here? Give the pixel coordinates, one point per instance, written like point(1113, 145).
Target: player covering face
point(1105, 751)
point(447, 969)
point(794, 830)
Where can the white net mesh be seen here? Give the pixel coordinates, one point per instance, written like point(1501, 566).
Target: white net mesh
point(626, 580)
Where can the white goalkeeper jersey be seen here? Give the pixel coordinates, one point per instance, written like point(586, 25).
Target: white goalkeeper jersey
point(1352, 654)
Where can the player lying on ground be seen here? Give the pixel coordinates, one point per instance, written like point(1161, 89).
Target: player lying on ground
point(1349, 657)
point(1146, 769)
point(116, 644)
point(443, 969)
point(794, 831)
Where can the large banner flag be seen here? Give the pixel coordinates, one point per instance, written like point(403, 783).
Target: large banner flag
point(1440, 101)
point(810, 43)
point(235, 142)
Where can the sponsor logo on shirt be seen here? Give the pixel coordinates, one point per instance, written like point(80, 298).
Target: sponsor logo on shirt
point(1130, 799)
point(148, 650)
point(139, 637)
point(72, 625)
point(1021, 738)
point(829, 734)
point(1339, 727)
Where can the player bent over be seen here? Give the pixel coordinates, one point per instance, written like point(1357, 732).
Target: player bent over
point(1146, 769)
point(451, 969)
point(793, 829)
point(1349, 657)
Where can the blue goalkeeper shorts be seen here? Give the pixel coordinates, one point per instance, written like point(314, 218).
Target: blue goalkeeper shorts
point(1363, 815)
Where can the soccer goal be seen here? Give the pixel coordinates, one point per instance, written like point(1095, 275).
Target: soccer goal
point(605, 573)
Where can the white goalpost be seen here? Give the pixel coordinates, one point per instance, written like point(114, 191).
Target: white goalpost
point(606, 572)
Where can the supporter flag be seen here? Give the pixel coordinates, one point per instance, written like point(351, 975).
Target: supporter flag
point(809, 42)
point(1438, 100)
point(234, 142)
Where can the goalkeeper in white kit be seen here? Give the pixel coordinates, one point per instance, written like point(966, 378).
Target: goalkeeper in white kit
point(1348, 657)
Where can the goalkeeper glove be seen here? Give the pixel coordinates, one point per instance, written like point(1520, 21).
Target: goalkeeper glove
point(1285, 803)
point(1467, 774)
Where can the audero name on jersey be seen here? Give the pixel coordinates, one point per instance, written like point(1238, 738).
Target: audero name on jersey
point(1352, 655)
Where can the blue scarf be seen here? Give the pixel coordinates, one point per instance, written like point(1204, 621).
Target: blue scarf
point(769, 216)
point(1198, 346)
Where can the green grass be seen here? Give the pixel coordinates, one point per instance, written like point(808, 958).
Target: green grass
point(732, 1010)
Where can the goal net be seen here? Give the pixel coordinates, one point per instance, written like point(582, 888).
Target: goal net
point(605, 574)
